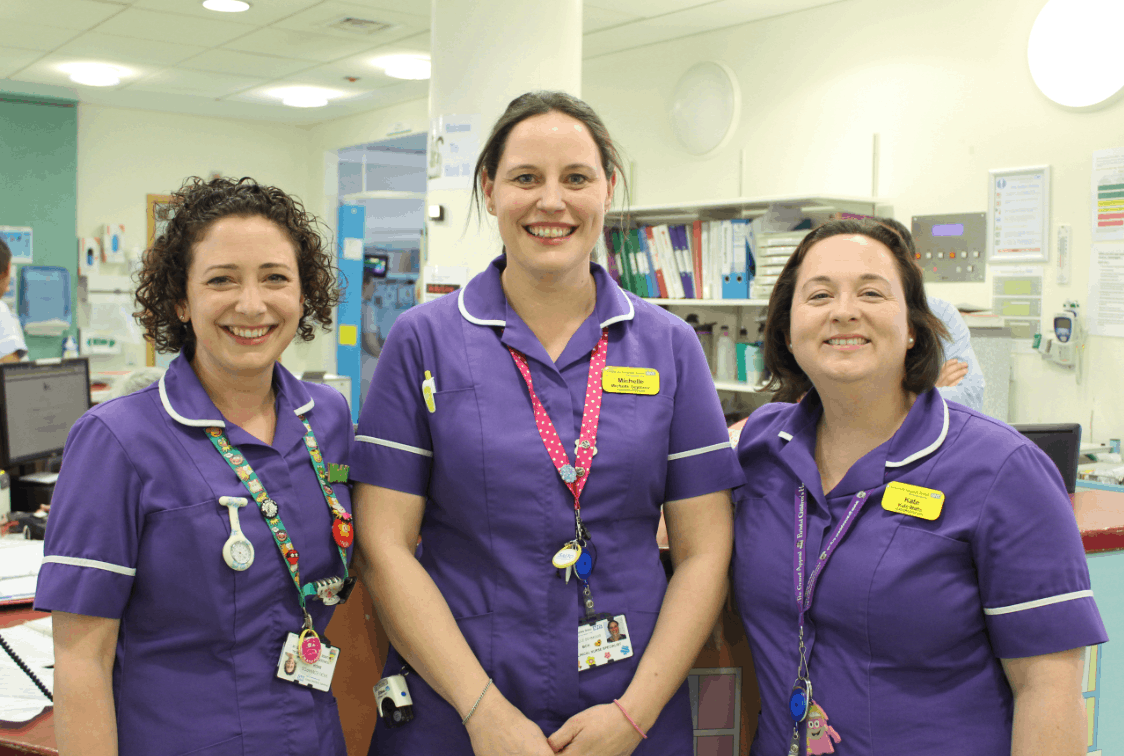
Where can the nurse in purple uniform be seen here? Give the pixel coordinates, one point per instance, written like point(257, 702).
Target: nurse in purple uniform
point(909, 571)
point(194, 521)
point(539, 386)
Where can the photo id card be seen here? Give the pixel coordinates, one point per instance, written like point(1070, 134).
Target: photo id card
point(293, 668)
point(602, 640)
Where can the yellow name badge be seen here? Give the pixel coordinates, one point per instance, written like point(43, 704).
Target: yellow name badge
point(914, 501)
point(630, 380)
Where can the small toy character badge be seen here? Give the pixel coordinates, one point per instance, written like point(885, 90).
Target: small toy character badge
point(820, 733)
point(343, 533)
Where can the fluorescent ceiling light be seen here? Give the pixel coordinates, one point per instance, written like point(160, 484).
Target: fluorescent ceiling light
point(305, 97)
point(94, 74)
point(226, 6)
point(404, 66)
point(1074, 51)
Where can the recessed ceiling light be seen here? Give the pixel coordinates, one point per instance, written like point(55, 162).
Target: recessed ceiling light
point(414, 67)
point(94, 74)
point(1073, 51)
point(226, 6)
point(305, 97)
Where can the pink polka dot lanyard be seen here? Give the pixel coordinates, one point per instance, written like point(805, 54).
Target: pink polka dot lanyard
point(574, 476)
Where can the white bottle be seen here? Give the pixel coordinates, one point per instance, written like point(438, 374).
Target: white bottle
point(726, 362)
point(69, 348)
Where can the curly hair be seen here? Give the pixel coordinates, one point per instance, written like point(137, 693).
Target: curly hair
point(162, 281)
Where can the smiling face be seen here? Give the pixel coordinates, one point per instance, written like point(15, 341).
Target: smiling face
point(849, 318)
point(549, 194)
point(243, 296)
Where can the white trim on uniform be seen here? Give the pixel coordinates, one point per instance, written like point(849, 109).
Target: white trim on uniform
point(93, 563)
point(394, 445)
point(619, 318)
point(785, 436)
point(700, 450)
point(1038, 602)
point(180, 418)
point(931, 447)
point(470, 318)
point(305, 408)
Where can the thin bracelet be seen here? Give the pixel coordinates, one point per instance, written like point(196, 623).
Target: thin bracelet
point(472, 711)
point(631, 721)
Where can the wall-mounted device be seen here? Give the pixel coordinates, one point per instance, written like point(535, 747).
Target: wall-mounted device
point(951, 247)
point(1068, 341)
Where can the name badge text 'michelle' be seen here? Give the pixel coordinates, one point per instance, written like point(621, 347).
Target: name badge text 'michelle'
point(630, 380)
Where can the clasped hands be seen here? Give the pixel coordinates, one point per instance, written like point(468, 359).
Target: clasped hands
point(500, 729)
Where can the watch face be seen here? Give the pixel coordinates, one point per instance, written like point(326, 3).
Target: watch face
point(242, 551)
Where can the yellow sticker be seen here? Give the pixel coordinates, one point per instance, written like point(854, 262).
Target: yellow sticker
point(348, 335)
point(630, 380)
point(914, 501)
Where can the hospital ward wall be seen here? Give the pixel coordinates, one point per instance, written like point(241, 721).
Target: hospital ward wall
point(125, 154)
point(947, 88)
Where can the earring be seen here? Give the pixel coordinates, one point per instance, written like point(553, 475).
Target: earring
point(790, 345)
point(911, 341)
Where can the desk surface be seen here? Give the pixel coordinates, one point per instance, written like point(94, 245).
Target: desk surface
point(38, 736)
point(1100, 518)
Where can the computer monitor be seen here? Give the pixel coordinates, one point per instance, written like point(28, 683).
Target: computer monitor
point(39, 403)
point(1062, 444)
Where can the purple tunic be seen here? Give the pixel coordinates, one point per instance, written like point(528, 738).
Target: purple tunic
point(497, 511)
point(136, 533)
point(910, 617)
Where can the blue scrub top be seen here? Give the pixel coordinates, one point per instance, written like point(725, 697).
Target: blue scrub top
point(136, 534)
point(910, 617)
point(497, 511)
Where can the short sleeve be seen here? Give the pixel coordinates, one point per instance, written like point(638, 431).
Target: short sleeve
point(392, 447)
point(93, 532)
point(1033, 577)
point(11, 336)
point(701, 459)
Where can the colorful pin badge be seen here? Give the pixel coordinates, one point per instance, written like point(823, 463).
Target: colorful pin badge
point(568, 473)
point(343, 533)
point(337, 473)
point(214, 432)
point(310, 646)
point(292, 557)
point(282, 536)
point(269, 508)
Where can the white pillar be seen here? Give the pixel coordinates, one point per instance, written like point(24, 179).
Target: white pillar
point(484, 53)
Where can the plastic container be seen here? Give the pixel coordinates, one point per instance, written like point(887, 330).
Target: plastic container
point(725, 356)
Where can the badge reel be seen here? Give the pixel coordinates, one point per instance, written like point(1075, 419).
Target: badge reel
point(392, 698)
point(238, 552)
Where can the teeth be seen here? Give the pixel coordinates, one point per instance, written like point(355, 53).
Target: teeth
point(846, 342)
point(249, 333)
point(549, 233)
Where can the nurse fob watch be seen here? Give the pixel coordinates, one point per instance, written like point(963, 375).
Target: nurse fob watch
point(237, 552)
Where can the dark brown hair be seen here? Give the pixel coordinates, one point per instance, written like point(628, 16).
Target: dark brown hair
point(922, 362)
point(5, 256)
point(194, 208)
point(539, 103)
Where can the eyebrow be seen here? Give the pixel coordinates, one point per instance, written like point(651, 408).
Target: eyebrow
point(828, 279)
point(570, 167)
point(232, 266)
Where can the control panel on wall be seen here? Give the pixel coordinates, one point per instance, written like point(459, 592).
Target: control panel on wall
point(951, 247)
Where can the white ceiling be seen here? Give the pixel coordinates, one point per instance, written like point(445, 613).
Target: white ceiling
point(184, 58)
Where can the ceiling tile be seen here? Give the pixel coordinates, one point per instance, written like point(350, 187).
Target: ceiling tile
point(260, 13)
point(245, 64)
point(12, 60)
point(419, 10)
point(317, 20)
point(28, 36)
point(645, 8)
point(725, 13)
point(174, 27)
point(199, 83)
point(323, 48)
point(110, 48)
point(46, 71)
point(66, 14)
point(331, 77)
point(599, 18)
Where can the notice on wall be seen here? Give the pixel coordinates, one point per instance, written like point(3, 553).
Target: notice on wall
point(1019, 215)
point(18, 239)
point(1106, 290)
point(1108, 195)
point(439, 280)
point(454, 141)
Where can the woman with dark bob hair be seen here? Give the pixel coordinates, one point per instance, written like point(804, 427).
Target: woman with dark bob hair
point(909, 567)
point(172, 564)
point(529, 427)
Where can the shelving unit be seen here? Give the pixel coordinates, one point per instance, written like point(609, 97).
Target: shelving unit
point(710, 302)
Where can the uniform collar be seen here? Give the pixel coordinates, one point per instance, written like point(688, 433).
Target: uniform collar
point(920, 435)
point(186, 401)
point(482, 302)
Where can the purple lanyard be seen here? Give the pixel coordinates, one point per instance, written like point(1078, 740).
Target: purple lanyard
point(804, 595)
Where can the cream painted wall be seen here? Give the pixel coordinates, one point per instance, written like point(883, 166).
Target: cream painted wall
point(125, 154)
point(945, 84)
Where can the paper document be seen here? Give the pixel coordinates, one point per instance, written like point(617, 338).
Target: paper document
point(1108, 195)
point(21, 700)
point(1106, 290)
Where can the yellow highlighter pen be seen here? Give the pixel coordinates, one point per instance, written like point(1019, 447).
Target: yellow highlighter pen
point(428, 387)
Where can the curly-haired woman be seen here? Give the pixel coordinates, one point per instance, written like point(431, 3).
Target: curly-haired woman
point(172, 563)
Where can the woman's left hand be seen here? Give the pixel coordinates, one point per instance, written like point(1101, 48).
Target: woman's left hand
point(601, 730)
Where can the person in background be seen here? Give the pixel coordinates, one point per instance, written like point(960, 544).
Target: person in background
point(12, 346)
point(538, 409)
point(171, 630)
point(960, 379)
point(902, 563)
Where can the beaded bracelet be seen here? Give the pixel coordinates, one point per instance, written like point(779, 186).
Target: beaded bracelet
point(631, 721)
point(472, 711)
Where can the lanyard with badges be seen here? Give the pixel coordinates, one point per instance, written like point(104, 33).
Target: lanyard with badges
point(800, 703)
point(598, 642)
point(239, 552)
